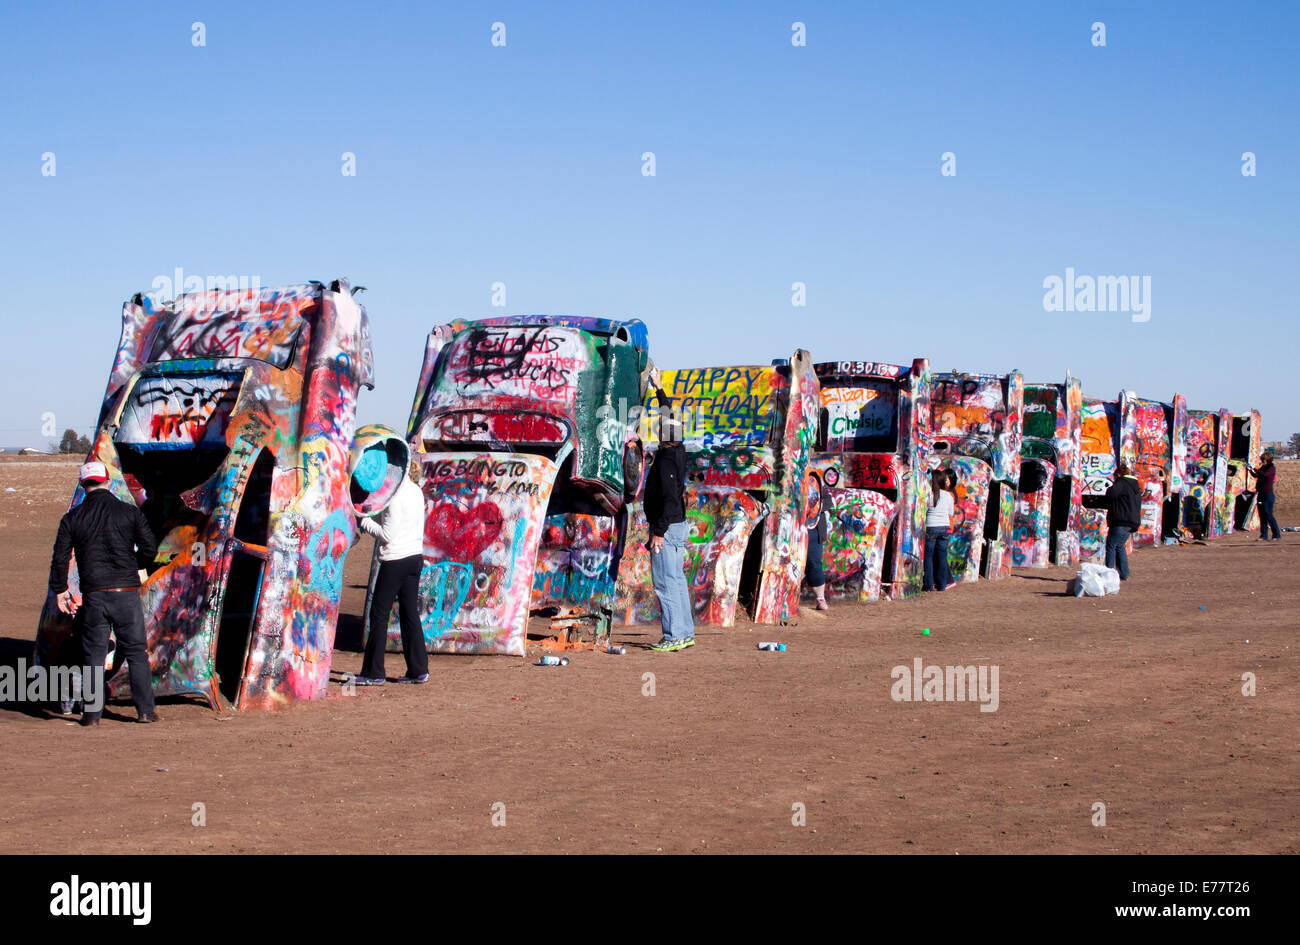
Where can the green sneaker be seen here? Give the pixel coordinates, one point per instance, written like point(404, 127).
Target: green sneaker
point(672, 646)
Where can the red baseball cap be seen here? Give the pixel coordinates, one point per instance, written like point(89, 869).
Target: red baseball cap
point(94, 471)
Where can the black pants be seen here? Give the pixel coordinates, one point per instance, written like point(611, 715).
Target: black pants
point(121, 612)
point(398, 580)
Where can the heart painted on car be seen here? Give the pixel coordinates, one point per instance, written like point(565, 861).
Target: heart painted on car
point(462, 534)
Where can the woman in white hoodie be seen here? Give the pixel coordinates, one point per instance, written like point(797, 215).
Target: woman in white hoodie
point(399, 530)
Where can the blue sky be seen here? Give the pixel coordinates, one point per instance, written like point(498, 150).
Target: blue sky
point(774, 164)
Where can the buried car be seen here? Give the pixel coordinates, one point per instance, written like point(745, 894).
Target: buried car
point(872, 459)
point(1206, 502)
point(975, 430)
point(1050, 495)
point(228, 419)
point(748, 436)
point(1157, 455)
point(524, 427)
point(1243, 458)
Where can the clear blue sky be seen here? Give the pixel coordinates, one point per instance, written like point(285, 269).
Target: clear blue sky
point(775, 164)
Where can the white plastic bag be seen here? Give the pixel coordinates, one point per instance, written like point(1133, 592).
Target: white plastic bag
point(1095, 580)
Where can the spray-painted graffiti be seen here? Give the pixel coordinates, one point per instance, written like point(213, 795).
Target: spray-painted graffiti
point(747, 430)
point(554, 402)
point(966, 547)
point(1099, 444)
point(979, 417)
point(179, 412)
point(722, 521)
point(872, 429)
point(203, 325)
point(1031, 533)
point(484, 524)
point(231, 427)
point(574, 562)
point(854, 553)
point(1244, 456)
point(1092, 534)
point(1152, 462)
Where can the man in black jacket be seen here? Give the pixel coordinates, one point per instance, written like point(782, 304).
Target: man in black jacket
point(665, 512)
point(1123, 516)
point(113, 545)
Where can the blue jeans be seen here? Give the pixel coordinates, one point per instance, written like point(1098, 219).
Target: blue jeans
point(1116, 550)
point(1266, 518)
point(668, 571)
point(937, 573)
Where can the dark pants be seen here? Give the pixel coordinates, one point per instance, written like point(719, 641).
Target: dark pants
point(937, 573)
point(1117, 549)
point(1266, 519)
point(814, 573)
point(121, 612)
point(398, 580)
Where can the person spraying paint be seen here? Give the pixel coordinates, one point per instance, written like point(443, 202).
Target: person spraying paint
point(817, 521)
point(113, 545)
point(665, 512)
point(1123, 516)
point(1265, 482)
point(399, 532)
point(938, 529)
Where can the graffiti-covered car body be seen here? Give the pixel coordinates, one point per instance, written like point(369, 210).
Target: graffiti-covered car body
point(524, 427)
point(1243, 457)
point(1206, 503)
point(977, 418)
point(748, 432)
point(229, 420)
point(872, 456)
point(1100, 442)
point(1049, 501)
point(1157, 455)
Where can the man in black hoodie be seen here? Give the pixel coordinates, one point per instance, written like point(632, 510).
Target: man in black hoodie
point(1123, 516)
point(113, 545)
point(665, 512)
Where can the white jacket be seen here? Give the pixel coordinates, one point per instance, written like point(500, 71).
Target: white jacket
point(400, 527)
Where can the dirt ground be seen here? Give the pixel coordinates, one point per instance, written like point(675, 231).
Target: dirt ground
point(1134, 702)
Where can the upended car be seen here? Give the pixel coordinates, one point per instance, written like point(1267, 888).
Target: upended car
point(229, 421)
point(525, 431)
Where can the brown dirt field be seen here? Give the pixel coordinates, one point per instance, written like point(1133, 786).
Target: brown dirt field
point(1133, 701)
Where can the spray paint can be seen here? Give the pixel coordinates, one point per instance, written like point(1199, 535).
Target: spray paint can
point(773, 646)
point(553, 661)
point(616, 650)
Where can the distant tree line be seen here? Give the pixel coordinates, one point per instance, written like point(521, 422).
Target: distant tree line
point(73, 443)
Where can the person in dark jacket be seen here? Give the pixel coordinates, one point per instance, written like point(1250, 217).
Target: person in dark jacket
point(1123, 516)
point(1265, 480)
point(113, 545)
point(817, 519)
point(665, 512)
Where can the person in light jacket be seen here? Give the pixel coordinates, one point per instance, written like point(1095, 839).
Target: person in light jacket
point(399, 532)
point(937, 574)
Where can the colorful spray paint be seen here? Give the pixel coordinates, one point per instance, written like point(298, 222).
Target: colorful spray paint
point(1049, 503)
point(229, 418)
point(872, 459)
point(979, 417)
point(1244, 457)
point(748, 432)
point(525, 427)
